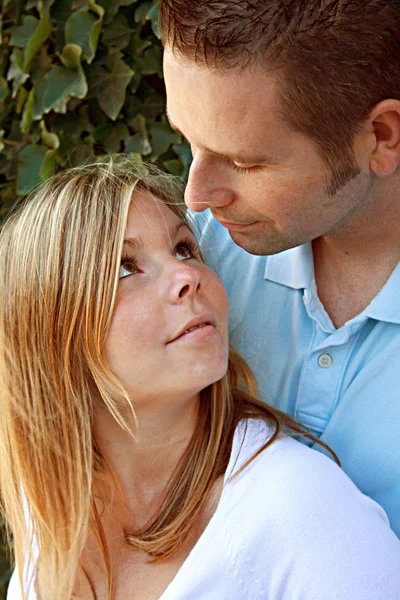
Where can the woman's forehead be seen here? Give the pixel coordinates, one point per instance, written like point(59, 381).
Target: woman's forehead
point(149, 218)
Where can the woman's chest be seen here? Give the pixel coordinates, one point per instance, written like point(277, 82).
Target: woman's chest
point(133, 575)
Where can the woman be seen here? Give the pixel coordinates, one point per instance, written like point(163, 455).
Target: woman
point(135, 462)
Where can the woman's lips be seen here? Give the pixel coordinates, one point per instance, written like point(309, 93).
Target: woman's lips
point(197, 335)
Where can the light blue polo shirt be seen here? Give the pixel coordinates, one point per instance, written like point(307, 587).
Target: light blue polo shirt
point(343, 384)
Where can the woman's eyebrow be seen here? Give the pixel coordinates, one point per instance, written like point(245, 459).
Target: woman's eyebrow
point(138, 242)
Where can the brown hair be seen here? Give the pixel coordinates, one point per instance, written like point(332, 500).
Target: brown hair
point(335, 59)
point(59, 265)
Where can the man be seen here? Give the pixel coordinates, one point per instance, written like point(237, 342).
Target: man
point(292, 110)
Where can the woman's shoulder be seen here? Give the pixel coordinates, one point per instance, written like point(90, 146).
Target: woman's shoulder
point(298, 476)
point(293, 510)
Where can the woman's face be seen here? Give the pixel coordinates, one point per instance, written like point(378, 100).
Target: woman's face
point(168, 335)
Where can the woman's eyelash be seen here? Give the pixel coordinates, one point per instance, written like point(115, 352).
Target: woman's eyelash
point(191, 245)
point(128, 259)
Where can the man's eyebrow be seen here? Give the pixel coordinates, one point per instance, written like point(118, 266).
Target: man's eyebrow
point(138, 242)
point(234, 157)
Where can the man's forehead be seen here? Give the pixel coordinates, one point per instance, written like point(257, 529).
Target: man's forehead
point(219, 95)
point(231, 121)
point(246, 155)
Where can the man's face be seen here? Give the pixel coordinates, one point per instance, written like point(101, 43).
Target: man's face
point(266, 183)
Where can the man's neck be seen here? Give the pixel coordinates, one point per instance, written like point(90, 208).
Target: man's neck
point(352, 266)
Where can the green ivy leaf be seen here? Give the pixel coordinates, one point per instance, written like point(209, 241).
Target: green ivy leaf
point(2, 132)
point(51, 140)
point(71, 56)
point(174, 167)
point(60, 13)
point(33, 4)
point(162, 137)
point(22, 34)
point(31, 35)
point(21, 99)
point(49, 165)
point(112, 7)
point(151, 61)
point(138, 144)
point(42, 32)
point(111, 135)
point(74, 132)
point(141, 11)
point(139, 124)
point(108, 84)
point(138, 44)
point(83, 29)
point(35, 163)
point(66, 82)
point(118, 33)
point(153, 104)
point(135, 81)
point(153, 15)
point(39, 83)
point(185, 154)
point(15, 72)
point(27, 115)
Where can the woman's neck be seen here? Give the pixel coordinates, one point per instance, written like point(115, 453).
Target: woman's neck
point(143, 465)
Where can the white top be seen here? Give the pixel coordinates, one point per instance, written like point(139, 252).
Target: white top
point(291, 526)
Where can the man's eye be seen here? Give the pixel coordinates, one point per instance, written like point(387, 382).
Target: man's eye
point(243, 169)
point(127, 268)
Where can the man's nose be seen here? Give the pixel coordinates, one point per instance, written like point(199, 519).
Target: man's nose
point(184, 282)
point(208, 186)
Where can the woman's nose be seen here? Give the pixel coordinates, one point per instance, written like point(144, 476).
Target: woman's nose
point(185, 282)
point(206, 187)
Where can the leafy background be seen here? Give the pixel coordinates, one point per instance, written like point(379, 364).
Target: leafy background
point(79, 78)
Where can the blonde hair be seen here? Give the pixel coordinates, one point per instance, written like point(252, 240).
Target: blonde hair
point(59, 263)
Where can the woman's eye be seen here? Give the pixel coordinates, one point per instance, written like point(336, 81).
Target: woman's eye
point(187, 249)
point(127, 268)
point(183, 252)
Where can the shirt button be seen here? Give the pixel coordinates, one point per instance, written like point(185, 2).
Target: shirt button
point(325, 360)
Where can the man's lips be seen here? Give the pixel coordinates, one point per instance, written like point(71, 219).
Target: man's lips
point(196, 325)
point(235, 226)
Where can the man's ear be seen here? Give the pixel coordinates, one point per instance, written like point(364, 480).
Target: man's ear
point(385, 122)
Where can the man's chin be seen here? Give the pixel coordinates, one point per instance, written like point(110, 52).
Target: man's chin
point(259, 245)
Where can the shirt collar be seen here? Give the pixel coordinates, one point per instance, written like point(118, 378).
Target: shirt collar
point(294, 268)
point(386, 305)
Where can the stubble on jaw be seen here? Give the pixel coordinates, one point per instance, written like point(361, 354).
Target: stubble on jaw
point(341, 176)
